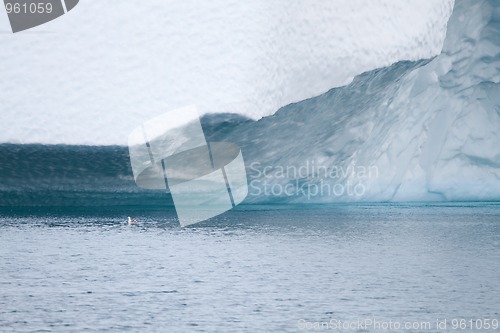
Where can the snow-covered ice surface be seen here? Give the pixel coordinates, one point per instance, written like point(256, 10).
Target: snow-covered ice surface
point(93, 75)
point(430, 130)
point(415, 130)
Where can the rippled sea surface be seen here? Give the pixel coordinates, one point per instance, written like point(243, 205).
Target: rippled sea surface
point(253, 269)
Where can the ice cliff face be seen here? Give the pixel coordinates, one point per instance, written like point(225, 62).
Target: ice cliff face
point(92, 83)
point(427, 130)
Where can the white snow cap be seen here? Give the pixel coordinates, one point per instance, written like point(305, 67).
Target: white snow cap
point(93, 75)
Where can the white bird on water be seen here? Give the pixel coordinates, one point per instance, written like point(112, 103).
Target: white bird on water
point(131, 221)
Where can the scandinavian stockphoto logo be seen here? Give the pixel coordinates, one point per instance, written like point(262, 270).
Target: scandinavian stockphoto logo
point(26, 14)
point(170, 152)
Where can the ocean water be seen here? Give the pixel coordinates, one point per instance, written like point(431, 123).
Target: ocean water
point(253, 269)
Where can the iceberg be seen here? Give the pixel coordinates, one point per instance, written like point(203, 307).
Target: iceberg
point(224, 56)
point(429, 129)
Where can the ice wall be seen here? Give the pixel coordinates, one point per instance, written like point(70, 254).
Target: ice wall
point(93, 75)
point(430, 130)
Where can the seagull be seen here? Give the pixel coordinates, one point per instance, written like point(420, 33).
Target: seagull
point(131, 221)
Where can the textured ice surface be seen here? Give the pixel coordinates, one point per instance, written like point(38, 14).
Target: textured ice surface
point(430, 128)
point(95, 74)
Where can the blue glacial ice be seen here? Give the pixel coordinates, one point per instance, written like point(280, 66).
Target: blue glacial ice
point(430, 129)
